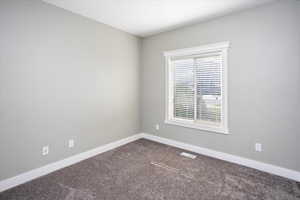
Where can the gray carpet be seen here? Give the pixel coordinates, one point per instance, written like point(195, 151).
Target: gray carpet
point(144, 170)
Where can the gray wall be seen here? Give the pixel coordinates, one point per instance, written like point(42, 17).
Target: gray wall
point(264, 83)
point(62, 76)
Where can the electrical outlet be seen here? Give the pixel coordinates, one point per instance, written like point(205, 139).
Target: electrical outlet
point(157, 126)
point(45, 150)
point(258, 147)
point(71, 143)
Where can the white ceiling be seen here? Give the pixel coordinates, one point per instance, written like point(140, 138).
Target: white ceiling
point(148, 17)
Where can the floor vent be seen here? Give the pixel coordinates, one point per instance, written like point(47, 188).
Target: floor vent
point(188, 155)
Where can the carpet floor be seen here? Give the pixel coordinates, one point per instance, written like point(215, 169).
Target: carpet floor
point(145, 170)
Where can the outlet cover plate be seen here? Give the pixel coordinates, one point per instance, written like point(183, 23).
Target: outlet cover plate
point(45, 150)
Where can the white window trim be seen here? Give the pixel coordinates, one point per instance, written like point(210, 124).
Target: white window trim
point(220, 47)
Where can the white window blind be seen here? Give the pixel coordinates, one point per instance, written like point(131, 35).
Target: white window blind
point(184, 89)
point(196, 86)
point(208, 76)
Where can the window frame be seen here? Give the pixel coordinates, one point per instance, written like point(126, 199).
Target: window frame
point(222, 49)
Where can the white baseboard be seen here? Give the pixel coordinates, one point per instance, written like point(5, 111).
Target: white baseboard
point(272, 169)
point(35, 173)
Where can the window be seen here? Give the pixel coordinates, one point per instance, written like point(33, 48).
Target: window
point(197, 87)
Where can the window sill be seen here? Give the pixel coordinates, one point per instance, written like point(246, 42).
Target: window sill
point(196, 126)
